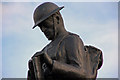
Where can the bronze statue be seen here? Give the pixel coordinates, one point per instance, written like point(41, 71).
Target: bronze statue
point(65, 57)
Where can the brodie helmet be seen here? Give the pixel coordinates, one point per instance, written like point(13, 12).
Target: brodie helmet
point(44, 11)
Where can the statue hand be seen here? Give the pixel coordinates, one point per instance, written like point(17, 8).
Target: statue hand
point(48, 60)
point(45, 56)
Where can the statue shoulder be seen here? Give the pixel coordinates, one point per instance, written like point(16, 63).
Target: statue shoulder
point(72, 36)
point(73, 39)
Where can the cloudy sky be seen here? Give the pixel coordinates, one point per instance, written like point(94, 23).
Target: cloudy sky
point(95, 22)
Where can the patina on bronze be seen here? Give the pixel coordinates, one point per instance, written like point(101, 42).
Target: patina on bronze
point(65, 57)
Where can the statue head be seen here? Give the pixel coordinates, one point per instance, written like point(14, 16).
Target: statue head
point(48, 18)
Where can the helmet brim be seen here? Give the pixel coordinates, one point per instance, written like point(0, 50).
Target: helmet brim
point(51, 13)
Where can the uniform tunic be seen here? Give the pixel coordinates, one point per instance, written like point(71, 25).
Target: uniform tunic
point(69, 59)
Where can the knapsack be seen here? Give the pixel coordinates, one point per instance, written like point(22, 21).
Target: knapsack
point(94, 59)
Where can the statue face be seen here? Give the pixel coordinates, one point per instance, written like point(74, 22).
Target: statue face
point(47, 28)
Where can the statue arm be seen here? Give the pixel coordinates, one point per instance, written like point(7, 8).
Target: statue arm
point(68, 71)
point(74, 53)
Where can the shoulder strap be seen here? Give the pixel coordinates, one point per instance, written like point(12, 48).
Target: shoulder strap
point(58, 46)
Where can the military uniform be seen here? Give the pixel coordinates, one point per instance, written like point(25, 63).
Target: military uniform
point(70, 58)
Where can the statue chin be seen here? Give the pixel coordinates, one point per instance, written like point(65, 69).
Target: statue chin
point(49, 38)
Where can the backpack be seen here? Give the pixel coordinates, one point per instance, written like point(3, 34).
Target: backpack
point(94, 59)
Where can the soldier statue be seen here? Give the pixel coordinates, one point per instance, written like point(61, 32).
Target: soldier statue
point(66, 56)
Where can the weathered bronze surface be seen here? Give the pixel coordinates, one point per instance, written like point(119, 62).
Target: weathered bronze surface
point(65, 57)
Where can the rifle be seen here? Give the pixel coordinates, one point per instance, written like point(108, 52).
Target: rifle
point(37, 64)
